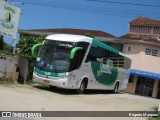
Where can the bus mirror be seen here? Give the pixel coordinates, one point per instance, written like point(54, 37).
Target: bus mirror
point(73, 51)
point(34, 48)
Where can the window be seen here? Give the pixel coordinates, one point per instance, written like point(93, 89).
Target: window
point(144, 86)
point(151, 52)
point(129, 49)
point(54, 56)
point(84, 45)
point(76, 62)
point(94, 53)
point(140, 29)
point(156, 30)
point(97, 52)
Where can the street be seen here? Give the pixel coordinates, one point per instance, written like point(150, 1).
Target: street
point(38, 98)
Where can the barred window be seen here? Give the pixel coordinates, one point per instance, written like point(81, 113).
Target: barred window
point(140, 29)
point(151, 52)
point(156, 30)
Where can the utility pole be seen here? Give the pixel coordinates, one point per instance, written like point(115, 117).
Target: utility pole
point(1, 37)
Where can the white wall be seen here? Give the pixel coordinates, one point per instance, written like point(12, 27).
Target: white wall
point(141, 61)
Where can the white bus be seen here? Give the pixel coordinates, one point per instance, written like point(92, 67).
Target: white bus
point(80, 62)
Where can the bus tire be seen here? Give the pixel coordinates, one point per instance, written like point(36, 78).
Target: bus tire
point(116, 87)
point(52, 87)
point(82, 87)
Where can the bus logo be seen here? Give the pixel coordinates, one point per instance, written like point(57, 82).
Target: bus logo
point(61, 74)
point(65, 45)
point(105, 68)
point(47, 73)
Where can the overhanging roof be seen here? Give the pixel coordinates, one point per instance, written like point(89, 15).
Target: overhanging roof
point(145, 74)
point(140, 38)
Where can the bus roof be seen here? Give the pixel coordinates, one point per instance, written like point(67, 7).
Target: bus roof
point(80, 38)
point(70, 38)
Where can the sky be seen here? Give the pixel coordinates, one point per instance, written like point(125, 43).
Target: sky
point(111, 16)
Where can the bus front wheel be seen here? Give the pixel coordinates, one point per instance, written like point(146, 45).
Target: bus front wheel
point(52, 87)
point(82, 87)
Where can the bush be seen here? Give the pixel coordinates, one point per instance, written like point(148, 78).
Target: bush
point(25, 45)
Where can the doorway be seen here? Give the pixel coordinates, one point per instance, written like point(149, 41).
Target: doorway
point(158, 94)
point(144, 86)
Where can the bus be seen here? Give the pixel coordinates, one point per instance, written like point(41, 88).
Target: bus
point(80, 62)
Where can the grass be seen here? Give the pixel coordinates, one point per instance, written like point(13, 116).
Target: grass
point(9, 83)
point(4, 80)
point(29, 82)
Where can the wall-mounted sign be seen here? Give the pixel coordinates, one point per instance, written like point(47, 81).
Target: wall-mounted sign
point(9, 18)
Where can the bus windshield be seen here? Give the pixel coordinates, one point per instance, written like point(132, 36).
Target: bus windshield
point(54, 56)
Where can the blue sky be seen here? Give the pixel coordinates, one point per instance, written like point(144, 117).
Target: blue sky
point(112, 18)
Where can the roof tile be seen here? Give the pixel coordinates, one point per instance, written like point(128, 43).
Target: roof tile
point(69, 31)
point(145, 21)
point(149, 38)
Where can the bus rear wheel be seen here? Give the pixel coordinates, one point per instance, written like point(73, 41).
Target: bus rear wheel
point(116, 88)
point(82, 87)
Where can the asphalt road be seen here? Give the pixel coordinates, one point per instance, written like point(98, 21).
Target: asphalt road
point(37, 98)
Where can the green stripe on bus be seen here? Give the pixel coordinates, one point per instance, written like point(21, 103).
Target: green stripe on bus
point(107, 79)
point(102, 45)
point(52, 74)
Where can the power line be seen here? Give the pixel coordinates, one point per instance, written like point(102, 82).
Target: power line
point(91, 9)
point(125, 3)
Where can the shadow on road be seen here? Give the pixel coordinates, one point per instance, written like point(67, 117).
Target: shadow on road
point(73, 92)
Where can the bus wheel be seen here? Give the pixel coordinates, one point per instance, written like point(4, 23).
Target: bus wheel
point(52, 87)
point(82, 87)
point(116, 87)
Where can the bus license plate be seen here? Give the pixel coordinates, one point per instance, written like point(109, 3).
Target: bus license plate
point(46, 81)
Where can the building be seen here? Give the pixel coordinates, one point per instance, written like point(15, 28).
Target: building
point(142, 45)
point(100, 35)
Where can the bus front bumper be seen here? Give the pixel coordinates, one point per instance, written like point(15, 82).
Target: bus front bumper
point(62, 82)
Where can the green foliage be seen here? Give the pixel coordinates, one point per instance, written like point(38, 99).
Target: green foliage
point(88, 34)
point(25, 45)
point(4, 80)
point(6, 52)
point(156, 118)
point(5, 48)
point(30, 82)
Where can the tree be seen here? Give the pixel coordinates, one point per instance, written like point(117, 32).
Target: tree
point(88, 34)
point(5, 48)
point(25, 45)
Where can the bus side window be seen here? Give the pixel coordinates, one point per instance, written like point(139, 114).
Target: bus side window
point(76, 62)
point(94, 53)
